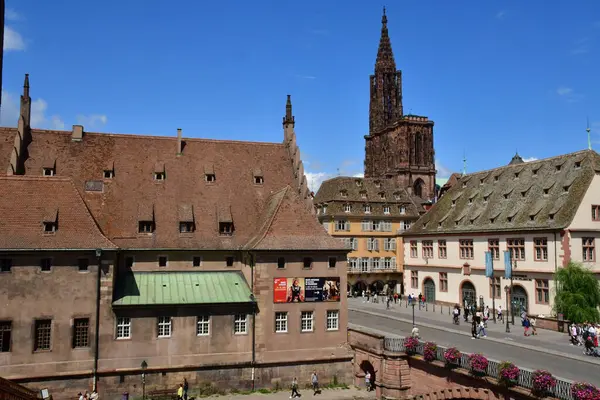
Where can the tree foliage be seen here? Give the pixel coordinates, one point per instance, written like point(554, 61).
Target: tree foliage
point(577, 294)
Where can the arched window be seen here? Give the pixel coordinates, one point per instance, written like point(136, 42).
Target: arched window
point(418, 187)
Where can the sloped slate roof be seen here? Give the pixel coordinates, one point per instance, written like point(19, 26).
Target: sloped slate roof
point(28, 202)
point(337, 192)
point(538, 195)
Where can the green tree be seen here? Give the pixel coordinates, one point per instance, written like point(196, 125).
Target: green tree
point(577, 294)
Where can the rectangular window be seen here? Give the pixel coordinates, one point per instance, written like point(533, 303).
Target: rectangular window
point(203, 325)
point(443, 281)
point(186, 227)
point(342, 225)
point(159, 176)
point(162, 261)
point(352, 263)
point(414, 279)
point(164, 326)
point(229, 261)
point(414, 251)
point(5, 265)
point(81, 327)
point(333, 320)
point(146, 226)
point(226, 228)
point(427, 248)
point(366, 226)
point(596, 213)
point(123, 328)
point(354, 243)
point(442, 249)
point(197, 261)
point(5, 336)
point(542, 291)
point(540, 249)
point(109, 174)
point(495, 288)
point(83, 264)
point(49, 171)
point(373, 244)
point(281, 322)
point(405, 225)
point(240, 324)
point(516, 248)
point(494, 248)
point(43, 334)
point(46, 264)
point(50, 227)
point(307, 262)
point(589, 249)
point(386, 209)
point(210, 178)
point(306, 321)
point(466, 249)
point(332, 262)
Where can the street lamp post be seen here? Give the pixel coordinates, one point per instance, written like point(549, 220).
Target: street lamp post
point(144, 365)
point(413, 307)
point(507, 290)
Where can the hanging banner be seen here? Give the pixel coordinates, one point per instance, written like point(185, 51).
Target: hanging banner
point(507, 265)
point(322, 289)
point(489, 265)
point(288, 290)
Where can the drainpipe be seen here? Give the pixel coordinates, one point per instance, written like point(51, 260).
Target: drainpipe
point(97, 328)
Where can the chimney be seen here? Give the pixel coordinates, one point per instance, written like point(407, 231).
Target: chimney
point(77, 133)
point(179, 147)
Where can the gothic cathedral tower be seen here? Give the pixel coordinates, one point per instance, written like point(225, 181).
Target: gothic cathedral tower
point(398, 146)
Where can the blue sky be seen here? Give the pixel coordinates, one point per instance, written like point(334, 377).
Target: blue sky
point(494, 76)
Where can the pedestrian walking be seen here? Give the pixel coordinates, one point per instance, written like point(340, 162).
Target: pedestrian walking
point(186, 386)
point(474, 329)
point(368, 381)
point(315, 382)
point(180, 392)
point(295, 392)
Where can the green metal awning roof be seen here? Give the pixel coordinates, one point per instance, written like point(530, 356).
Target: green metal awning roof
point(181, 288)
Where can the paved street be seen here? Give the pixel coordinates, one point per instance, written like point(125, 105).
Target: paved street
point(548, 350)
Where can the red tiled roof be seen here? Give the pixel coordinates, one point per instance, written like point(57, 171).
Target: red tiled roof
point(26, 202)
point(115, 203)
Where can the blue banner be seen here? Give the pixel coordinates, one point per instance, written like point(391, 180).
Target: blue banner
point(489, 265)
point(507, 265)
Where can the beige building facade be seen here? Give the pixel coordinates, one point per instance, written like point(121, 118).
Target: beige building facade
point(544, 213)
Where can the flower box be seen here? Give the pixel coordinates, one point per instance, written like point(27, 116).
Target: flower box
point(478, 364)
point(543, 382)
point(452, 357)
point(508, 373)
point(430, 352)
point(584, 391)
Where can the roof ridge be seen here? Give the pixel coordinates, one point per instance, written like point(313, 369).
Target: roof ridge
point(89, 214)
point(269, 222)
point(159, 137)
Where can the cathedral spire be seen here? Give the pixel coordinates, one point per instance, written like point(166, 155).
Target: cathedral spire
point(289, 118)
point(385, 56)
point(26, 86)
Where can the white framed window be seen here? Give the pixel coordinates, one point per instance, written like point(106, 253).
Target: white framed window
point(347, 208)
point(354, 243)
point(240, 324)
point(203, 325)
point(405, 225)
point(123, 328)
point(164, 326)
point(375, 263)
point(342, 225)
point(324, 209)
point(352, 263)
point(333, 320)
point(306, 321)
point(364, 264)
point(376, 226)
point(366, 226)
point(281, 319)
point(402, 210)
point(367, 208)
point(386, 209)
point(326, 226)
point(387, 263)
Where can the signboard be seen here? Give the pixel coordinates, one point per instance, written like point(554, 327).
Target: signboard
point(288, 290)
point(298, 290)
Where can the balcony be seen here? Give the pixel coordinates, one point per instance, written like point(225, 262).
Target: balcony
point(372, 270)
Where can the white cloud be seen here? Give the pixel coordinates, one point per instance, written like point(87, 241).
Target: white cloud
point(442, 172)
point(12, 15)
point(13, 40)
point(568, 94)
point(359, 175)
point(9, 114)
point(501, 14)
point(530, 159)
point(314, 179)
point(92, 120)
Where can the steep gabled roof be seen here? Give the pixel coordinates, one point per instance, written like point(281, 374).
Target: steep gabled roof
point(28, 202)
point(538, 195)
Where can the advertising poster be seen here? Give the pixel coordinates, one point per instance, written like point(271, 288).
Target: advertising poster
point(288, 290)
point(322, 289)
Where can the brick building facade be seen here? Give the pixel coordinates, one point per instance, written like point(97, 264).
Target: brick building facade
point(180, 252)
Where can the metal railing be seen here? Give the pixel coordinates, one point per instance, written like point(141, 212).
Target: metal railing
point(562, 390)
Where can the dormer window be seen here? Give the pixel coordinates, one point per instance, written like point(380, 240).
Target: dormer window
point(506, 195)
point(397, 196)
point(577, 164)
point(509, 219)
point(324, 209)
point(485, 198)
point(377, 184)
point(226, 228)
point(347, 208)
point(186, 227)
point(524, 193)
point(159, 176)
point(109, 174)
point(470, 201)
point(546, 192)
point(367, 208)
point(382, 196)
point(453, 203)
point(516, 175)
point(464, 185)
point(496, 178)
point(386, 209)
point(481, 181)
point(210, 178)
point(558, 168)
point(532, 217)
point(49, 171)
point(535, 171)
point(258, 177)
point(566, 189)
point(146, 227)
point(551, 216)
point(402, 210)
point(50, 227)
point(492, 220)
point(343, 193)
point(363, 195)
point(358, 183)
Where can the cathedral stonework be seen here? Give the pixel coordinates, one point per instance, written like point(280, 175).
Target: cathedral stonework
point(398, 146)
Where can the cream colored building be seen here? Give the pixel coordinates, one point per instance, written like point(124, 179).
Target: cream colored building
point(546, 213)
point(368, 215)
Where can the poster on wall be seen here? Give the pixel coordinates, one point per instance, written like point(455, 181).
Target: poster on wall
point(288, 290)
point(322, 289)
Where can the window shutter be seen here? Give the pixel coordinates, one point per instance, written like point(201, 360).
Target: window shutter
point(376, 244)
point(393, 262)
